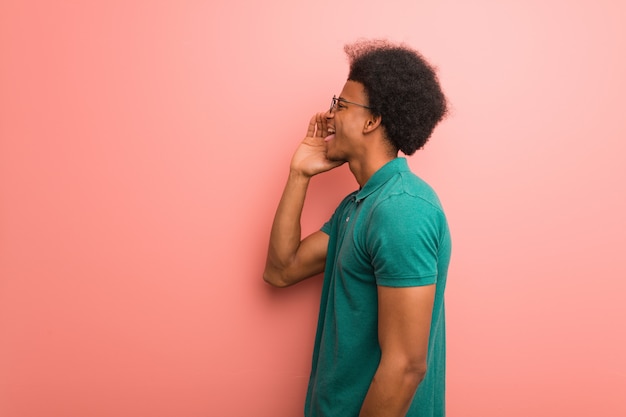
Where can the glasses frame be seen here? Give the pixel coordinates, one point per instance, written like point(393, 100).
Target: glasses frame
point(335, 100)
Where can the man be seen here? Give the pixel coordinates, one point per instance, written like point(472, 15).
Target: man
point(380, 343)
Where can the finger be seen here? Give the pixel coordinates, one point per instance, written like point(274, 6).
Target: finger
point(324, 125)
point(320, 128)
point(311, 130)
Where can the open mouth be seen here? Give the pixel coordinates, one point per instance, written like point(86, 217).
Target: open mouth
point(331, 133)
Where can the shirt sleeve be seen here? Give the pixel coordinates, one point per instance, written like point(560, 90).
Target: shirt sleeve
point(327, 227)
point(403, 239)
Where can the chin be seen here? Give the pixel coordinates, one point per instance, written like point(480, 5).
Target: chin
point(335, 158)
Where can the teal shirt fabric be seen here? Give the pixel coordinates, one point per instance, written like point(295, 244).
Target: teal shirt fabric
point(393, 232)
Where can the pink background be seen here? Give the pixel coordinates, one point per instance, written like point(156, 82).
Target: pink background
point(143, 149)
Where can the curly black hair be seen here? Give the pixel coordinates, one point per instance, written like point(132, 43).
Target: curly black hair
point(402, 88)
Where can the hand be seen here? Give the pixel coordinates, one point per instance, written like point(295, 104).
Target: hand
point(310, 157)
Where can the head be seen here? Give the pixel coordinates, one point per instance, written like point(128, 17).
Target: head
point(400, 89)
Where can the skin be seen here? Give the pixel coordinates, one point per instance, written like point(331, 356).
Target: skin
point(404, 314)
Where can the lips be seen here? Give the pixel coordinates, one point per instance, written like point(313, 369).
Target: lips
point(329, 138)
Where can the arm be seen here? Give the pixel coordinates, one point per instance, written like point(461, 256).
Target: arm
point(404, 316)
point(290, 259)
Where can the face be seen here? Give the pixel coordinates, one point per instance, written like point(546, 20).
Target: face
point(346, 122)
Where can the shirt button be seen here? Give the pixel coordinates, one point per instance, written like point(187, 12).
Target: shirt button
point(347, 218)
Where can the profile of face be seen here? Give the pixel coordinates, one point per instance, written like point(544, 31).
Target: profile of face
point(347, 117)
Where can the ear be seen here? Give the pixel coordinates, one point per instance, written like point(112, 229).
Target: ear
point(371, 124)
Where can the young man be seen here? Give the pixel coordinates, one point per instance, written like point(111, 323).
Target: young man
point(380, 344)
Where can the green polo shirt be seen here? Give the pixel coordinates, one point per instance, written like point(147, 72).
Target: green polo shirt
point(393, 232)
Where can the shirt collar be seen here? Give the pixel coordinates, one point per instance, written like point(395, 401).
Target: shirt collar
point(384, 174)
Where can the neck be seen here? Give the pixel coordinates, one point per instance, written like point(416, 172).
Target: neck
point(364, 168)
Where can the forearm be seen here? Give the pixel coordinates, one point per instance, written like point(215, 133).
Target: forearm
point(391, 390)
point(290, 258)
point(285, 236)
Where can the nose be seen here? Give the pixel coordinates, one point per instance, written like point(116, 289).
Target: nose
point(329, 113)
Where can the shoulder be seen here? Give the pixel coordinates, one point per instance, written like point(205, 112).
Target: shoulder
point(407, 210)
point(407, 195)
point(413, 186)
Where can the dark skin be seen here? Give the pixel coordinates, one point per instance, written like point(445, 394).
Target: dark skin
point(352, 134)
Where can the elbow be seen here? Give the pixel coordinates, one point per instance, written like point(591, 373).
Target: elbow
point(410, 371)
point(420, 374)
point(274, 279)
point(415, 371)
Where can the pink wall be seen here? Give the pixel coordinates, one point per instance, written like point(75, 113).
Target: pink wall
point(143, 148)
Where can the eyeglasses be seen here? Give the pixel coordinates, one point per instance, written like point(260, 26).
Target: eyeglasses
point(333, 104)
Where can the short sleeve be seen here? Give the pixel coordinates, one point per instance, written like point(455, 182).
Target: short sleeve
point(403, 238)
point(327, 227)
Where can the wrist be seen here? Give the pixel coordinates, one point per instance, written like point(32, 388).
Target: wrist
point(298, 175)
